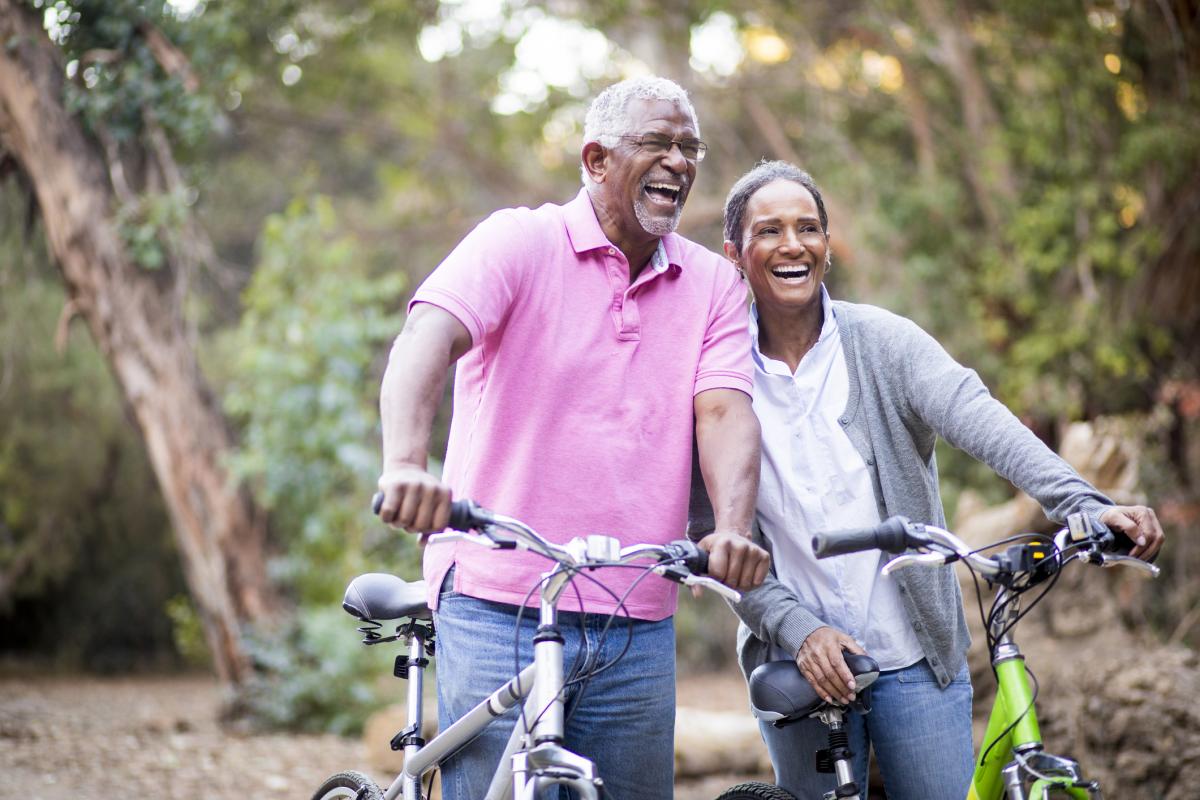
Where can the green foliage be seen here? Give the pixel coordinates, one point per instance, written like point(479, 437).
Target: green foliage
point(187, 632)
point(119, 82)
point(144, 225)
point(85, 547)
point(302, 391)
point(313, 675)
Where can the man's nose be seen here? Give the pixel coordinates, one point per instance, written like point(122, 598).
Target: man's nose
point(674, 158)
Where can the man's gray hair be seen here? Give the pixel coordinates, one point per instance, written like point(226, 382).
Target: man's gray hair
point(608, 116)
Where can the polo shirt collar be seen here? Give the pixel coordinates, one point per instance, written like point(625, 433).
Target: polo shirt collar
point(585, 233)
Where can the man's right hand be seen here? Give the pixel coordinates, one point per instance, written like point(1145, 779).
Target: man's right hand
point(821, 662)
point(413, 499)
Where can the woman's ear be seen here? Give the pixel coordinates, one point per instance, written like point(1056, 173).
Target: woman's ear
point(595, 161)
point(731, 252)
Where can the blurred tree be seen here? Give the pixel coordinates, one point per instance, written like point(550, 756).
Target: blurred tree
point(111, 199)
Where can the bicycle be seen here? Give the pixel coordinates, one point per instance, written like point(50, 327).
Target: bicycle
point(534, 758)
point(1012, 762)
point(781, 695)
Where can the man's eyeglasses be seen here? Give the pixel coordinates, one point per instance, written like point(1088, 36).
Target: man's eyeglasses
point(657, 145)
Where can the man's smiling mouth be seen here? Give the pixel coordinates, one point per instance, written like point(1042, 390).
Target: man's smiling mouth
point(663, 193)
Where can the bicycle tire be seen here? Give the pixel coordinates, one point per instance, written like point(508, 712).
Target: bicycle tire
point(348, 786)
point(756, 791)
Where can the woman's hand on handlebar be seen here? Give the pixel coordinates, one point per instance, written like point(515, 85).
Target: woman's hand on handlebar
point(734, 560)
point(821, 663)
point(1141, 525)
point(413, 499)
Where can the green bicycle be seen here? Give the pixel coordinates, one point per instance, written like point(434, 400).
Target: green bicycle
point(1012, 762)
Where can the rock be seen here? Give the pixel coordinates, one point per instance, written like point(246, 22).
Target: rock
point(710, 742)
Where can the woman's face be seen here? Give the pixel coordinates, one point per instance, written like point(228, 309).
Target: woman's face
point(783, 247)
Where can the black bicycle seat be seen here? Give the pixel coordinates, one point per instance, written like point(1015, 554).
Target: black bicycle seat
point(379, 596)
point(780, 693)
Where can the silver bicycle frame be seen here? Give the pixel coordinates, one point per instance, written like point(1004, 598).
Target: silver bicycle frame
point(532, 760)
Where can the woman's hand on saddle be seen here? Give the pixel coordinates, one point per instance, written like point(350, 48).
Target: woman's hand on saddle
point(822, 664)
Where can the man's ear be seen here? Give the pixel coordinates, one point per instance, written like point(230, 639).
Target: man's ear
point(731, 251)
point(595, 161)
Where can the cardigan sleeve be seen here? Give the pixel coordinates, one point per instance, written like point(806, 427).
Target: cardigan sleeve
point(953, 401)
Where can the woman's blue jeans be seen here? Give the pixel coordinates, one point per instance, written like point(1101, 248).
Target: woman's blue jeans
point(920, 732)
point(624, 721)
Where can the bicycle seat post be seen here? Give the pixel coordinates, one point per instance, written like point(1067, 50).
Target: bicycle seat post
point(837, 758)
point(410, 738)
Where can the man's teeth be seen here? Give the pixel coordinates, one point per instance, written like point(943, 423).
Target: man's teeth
point(790, 272)
point(668, 188)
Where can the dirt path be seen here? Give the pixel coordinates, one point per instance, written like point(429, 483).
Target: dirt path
point(84, 738)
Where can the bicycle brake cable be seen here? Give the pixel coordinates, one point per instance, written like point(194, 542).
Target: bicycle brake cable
point(1032, 700)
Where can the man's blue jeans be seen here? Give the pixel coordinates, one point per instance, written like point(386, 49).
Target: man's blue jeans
point(624, 722)
point(921, 734)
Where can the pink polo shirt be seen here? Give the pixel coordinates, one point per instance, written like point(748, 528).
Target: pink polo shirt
point(573, 407)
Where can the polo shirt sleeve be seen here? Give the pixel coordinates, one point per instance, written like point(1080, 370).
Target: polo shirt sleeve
point(725, 361)
point(480, 279)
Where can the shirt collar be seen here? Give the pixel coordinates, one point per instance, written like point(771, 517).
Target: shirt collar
point(585, 233)
point(828, 326)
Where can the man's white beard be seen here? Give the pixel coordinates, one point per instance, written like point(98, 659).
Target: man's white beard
point(656, 226)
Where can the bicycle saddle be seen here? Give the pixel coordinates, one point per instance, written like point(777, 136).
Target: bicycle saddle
point(779, 692)
point(380, 596)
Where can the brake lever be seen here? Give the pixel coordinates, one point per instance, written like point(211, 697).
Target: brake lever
point(1109, 560)
point(483, 540)
point(914, 559)
point(673, 572)
point(712, 584)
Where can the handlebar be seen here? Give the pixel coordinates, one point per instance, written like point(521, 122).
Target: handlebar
point(892, 536)
point(937, 547)
point(680, 561)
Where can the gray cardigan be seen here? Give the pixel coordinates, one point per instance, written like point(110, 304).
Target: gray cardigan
point(905, 391)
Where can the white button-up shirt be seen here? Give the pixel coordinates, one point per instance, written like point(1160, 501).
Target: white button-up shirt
point(813, 479)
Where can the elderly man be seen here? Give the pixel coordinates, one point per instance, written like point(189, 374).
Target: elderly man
point(588, 337)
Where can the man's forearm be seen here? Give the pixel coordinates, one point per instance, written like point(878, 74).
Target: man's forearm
point(412, 388)
point(728, 443)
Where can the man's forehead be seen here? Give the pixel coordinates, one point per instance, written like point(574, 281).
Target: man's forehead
point(643, 110)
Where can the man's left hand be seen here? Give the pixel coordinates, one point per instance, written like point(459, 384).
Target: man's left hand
point(734, 560)
point(1141, 525)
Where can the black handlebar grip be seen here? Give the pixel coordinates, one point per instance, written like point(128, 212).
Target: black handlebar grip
point(890, 535)
point(466, 515)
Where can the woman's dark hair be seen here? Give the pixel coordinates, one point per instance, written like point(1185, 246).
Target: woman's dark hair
point(763, 173)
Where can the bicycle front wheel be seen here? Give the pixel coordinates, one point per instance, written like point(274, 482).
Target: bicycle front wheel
point(349, 786)
point(756, 791)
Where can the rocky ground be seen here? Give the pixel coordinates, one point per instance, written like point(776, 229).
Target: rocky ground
point(86, 738)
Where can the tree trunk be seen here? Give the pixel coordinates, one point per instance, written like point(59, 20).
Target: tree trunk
point(137, 320)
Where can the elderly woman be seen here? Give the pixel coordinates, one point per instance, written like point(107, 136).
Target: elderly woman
point(851, 399)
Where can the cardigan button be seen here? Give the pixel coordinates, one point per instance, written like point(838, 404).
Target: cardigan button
point(844, 420)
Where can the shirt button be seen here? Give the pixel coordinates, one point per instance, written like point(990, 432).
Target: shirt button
point(612, 252)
